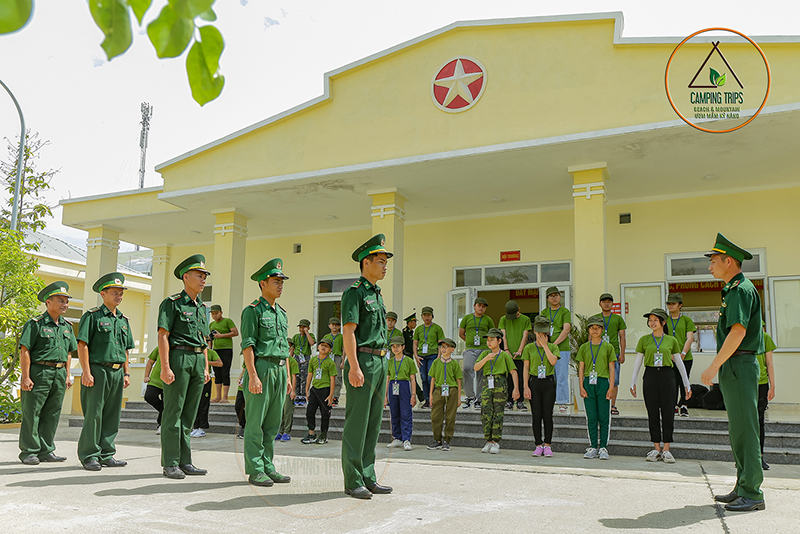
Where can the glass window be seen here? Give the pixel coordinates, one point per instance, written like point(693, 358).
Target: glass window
point(338, 285)
point(468, 277)
point(699, 266)
point(512, 274)
point(786, 306)
point(638, 301)
point(458, 307)
point(555, 272)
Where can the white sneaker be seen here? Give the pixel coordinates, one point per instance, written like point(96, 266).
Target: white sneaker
point(395, 443)
point(158, 430)
point(487, 447)
point(562, 408)
point(591, 453)
point(193, 433)
point(653, 456)
point(603, 452)
point(406, 445)
point(667, 457)
point(495, 449)
point(199, 433)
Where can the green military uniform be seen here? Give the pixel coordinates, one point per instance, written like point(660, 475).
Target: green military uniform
point(738, 376)
point(49, 343)
point(265, 328)
point(108, 338)
point(362, 304)
point(185, 320)
point(493, 399)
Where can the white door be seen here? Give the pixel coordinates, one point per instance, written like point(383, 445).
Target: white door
point(635, 301)
point(458, 305)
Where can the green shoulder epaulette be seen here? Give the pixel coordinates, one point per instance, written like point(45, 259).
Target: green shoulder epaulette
point(39, 318)
point(176, 296)
point(357, 283)
point(254, 303)
point(96, 308)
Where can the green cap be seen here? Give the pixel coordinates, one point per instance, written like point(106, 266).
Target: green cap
point(374, 245)
point(271, 268)
point(192, 263)
point(658, 312)
point(304, 322)
point(595, 320)
point(398, 340)
point(412, 317)
point(334, 320)
point(724, 246)
point(494, 332)
point(391, 315)
point(675, 297)
point(551, 290)
point(481, 300)
point(216, 307)
point(427, 309)
point(541, 324)
point(606, 296)
point(109, 280)
point(327, 339)
point(53, 290)
point(447, 341)
point(511, 310)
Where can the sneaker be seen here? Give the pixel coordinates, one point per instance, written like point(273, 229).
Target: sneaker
point(495, 449)
point(603, 453)
point(200, 433)
point(653, 456)
point(667, 457)
point(548, 452)
point(158, 430)
point(467, 403)
point(591, 453)
point(286, 437)
point(407, 445)
point(426, 404)
point(509, 405)
point(240, 433)
point(487, 447)
point(311, 438)
point(539, 451)
point(278, 437)
point(395, 443)
point(677, 410)
point(521, 407)
point(322, 439)
point(435, 445)
point(562, 408)
point(193, 433)
point(445, 446)
point(477, 404)
point(684, 411)
point(336, 401)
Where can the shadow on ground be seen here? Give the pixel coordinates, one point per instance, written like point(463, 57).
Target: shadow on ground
point(168, 487)
point(665, 519)
point(261, 501)
point(95, 478)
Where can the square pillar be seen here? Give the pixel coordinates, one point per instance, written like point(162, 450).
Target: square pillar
point(102, 248)
point(388, 218)
point(158, 292)
point(590, 276)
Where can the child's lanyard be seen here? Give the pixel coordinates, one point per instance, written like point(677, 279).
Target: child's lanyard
point(674, 324)
point(445, 370)
point(302, 343)
point(491, 366)
point(658, 343)
point(477, 324)
point(391, 334)
point(401, 366)
point(334, 338)
point(553, 315)
point(425, 332)
point(606, 324)
point(594, 358)
point(541, 356)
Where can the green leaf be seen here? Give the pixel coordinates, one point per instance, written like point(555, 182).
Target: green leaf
point(14, 14)
point(202, 66)
point(208, 15)
point(112, 17)
point(170, 33)
point(721, 80)
point(139, 8)
point(190, 8)
point(713, 76)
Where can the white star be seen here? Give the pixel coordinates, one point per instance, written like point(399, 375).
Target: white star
point(458, 83)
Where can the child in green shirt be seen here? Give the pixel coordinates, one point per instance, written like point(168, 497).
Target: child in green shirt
point(597, 357)
point(287, 418)
point(496, 365)
point(539, 382)
point(766, 387)
point(683, 329)
point(201, 419)
point(445, 394)
point(400, 395)
point(319, 391)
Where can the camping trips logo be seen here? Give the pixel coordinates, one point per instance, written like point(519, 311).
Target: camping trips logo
point(717, 92)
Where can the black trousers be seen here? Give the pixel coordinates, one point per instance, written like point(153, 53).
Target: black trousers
point(763, 390)
point(543, 398)
point(201, 421)
point(679, 380)
point(520, 367)
point(239, 407)
point(660, 392)
point(222, 375)
point(155, 397)
point(316, 399)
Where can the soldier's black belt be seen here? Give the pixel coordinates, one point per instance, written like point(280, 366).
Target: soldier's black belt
point(740, 352)
point(57, 365)
point(376, 352)
point(186, 348)
point(111, 365)
point(273, 359)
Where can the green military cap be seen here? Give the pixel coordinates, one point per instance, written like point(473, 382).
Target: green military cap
point(376, 244)
point(391, 315)
point(447, 341)
point(398, 340)
point(412, 317)
point(495, 332)
point(192, 263)
point(271, 268)
point(551, 290)
point(326, 339)
point(658, 312)
point(675, 297)
point(427, 309)
point(304, 322)
point(724, 246)
point(511, 310)
point(53, 290)
point(216, 307)
point(481, 300)
point(595, 320)
point(541, 324)
point(606, 296)
point(334, 320)
point(109, 280)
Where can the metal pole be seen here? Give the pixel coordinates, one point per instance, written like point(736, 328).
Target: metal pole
point(20, 158)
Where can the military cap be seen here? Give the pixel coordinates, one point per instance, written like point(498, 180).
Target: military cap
point(398, 340)
point(391, 315)
point(412, 317)
point(427, 309)
point(271, 268)
point(54, 290)
point(481, 300)
point(216, 307)
point(551, 290)
point(541, 324)
point(494, 332)
point(334, 320)
point(109, 280)
point(192, 263)
point(511, 310)
point(374, 245)
point(675, 297)
point(304, 322)
point(724, 246)
point(326, 339)
point(447, 341)
point(658, 312)
point(606, 296)
point(595, 320)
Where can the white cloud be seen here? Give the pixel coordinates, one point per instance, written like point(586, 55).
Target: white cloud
point(269, 21)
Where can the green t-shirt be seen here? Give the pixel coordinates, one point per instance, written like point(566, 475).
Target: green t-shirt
point(362, 304)
point(225, 326)
point(769, 346)
point(502, 364)
point(155, 371)
point(430, 335)
point(611, 327)
point(515, 328)
point(265, 328)
point(107, 336)
point(537, 356)
point(294, 367)
point(558, 319)
point(301, 342)
point(741, 305)
point(393, 332)
point(328, 370)
point(476, 326)
point(338, 344)
point(212, 355)
point(453, 372)
point(667, 345)
point(184, 319)
point(603, 355)
point(402, 369)
point(678, 329)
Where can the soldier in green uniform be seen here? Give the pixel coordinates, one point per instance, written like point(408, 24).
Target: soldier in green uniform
point(182, 332)
point(104, 339)
point(739, 339)
point(364, 317)
point(44, 361)
point(266, 352)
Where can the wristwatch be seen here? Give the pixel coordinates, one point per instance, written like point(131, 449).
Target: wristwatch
point(127, 374)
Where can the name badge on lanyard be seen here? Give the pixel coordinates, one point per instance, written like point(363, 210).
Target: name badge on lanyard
point(301, 358)
point(490, 381)
point(318, 374)
point(445, 390)
point(658, 359)
point(395, 388)
point(593, 373)
point(606, 338)
point(477, 340)
point(424, 348)
point(542, 371)
point(593, 378)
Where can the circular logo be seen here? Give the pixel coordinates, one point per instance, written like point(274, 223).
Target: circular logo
point(278, 265)
point(117, 281)
point(458, 84)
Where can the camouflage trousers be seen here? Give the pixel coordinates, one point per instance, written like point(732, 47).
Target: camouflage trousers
point(493, 402)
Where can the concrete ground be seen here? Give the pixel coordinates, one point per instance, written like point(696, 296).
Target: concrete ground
point(434, 491)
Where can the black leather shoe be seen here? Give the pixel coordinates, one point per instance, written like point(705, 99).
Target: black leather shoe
point(743, 504)
point(189, 469)
point(377, 489)
point(174, 472)
point(730, 497)
point(279, 478)
point(30, 460)
point(52, 458)
point(113, 462)
point(92, 465)
point(359, 493)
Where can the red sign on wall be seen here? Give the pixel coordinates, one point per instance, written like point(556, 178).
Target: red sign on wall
point(510, 255)
point(515, 294)
point(617, 308)
point(711, 285)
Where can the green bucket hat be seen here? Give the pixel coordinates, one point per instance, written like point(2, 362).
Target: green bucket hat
point(376, 244)
point(427, 309)
point(304, 322)
point(271, 268)
point(216, 307)
point(606, 296)
point(327, 339)
point(481, 300)
point(196, 262)
point(54, 290)
point(658, 312)
point(447, 341)
point(551, 290)
point(541, 324)
point(675, 297)
point(595, 320)
point(109, 280)
point(511, 310)
point(398, 340)
point(494, 332)
point(391, 315)
point(725, 246)
point(334, 320)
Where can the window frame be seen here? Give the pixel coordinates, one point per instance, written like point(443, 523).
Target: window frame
point(525, 285)
point(760, 252)
point(772, 322)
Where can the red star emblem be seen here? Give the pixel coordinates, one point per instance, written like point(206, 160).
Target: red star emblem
point(459, 84)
